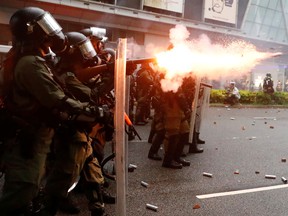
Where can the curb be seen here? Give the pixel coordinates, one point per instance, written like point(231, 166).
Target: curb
point(244, 106)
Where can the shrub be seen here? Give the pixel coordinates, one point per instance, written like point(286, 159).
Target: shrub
point(248, 97)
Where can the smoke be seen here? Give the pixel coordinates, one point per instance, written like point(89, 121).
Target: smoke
point(201, 57)
point(133, 49)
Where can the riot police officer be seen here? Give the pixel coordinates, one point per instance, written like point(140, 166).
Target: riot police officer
point(73, 147)
point(33, 98)
point(144, 92)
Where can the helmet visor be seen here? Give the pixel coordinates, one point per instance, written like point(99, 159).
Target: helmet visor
point(98, 32)
point(49, 24)
point(87, 49)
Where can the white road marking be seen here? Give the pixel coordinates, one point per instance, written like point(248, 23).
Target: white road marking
point(265, 118)
point(206, 196)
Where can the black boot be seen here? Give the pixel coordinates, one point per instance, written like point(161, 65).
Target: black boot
point(97, 210)
point(131, 135)
point(51, 206)
point(94, 194)
point(184, 139)
point(151, 135)
point(156, 143)
point(107, 197)
point(193, 148)
point(173, 165)
point(169, 156)
point(67, 205)
point(199, 141)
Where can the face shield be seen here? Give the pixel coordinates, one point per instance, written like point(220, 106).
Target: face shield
point(49, 24)
point(53, 31)
point(87, 50)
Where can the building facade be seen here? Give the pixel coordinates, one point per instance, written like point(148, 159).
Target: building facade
point(146, 23)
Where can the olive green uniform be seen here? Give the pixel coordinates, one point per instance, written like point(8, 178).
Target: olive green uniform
point(143, 94)
point(157, 131)
point(176, 127)
point(34, 89)
point(74, 154)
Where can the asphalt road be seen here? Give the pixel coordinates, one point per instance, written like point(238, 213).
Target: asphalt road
point(248, 141)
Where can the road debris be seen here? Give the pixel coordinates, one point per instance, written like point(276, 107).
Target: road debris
point(284, 180)
point(270, 176)
point(207, 174)
point(264, 118)
point(131, 167)
point(151, 207)
point(236, 172)
point(144, 184)
point(196, 206)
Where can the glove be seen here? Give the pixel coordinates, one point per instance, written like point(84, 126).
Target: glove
point(102, 114)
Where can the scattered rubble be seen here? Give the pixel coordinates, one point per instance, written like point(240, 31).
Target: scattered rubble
point(151, 207)
point(284, 180)
point(270, 176)
point(144, 184)
point(207, 174)
point(236, 172)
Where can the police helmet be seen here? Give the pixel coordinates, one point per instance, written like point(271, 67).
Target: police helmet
point(35, 24)
point(97, 37)
point(98, 33)
point(78, 43)
point(111, 54)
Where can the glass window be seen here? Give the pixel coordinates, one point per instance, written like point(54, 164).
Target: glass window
point(281, 35)
point(285, 6)
point(277, 19)
point(273, 4)
point(260, 15)
point(255, 30)
point(264, 32)
point(278, 8)
point(282, 22)
point(272, 33)
point(263, 3)
point(268, 17)
point(251, 13)
point(256, 2)
point(247, 27)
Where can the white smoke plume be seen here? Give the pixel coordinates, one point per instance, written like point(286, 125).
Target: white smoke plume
point(204, 58)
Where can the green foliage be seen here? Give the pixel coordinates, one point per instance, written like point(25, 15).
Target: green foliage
point(248, 97)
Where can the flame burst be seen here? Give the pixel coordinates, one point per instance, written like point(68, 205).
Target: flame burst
point(203, 58)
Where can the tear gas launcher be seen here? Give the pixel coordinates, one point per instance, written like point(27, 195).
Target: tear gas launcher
point(87, 73)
